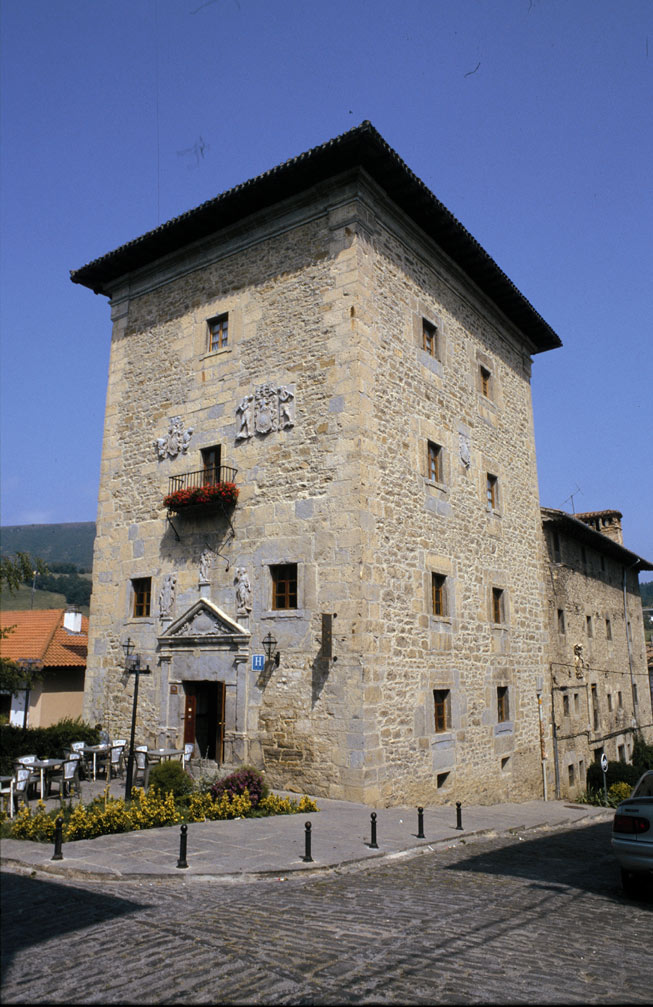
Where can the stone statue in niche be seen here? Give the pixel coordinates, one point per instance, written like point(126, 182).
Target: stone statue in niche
point(273, 409)
point(465, 450)
point(245, 410)
point(205, 565)
point(579, 661)
point(167, 595)
point(243, 591)
point(176, 441)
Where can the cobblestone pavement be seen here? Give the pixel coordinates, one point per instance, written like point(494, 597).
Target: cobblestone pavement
point(534, 918)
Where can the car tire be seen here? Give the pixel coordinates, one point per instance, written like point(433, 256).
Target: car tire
point(628, 882)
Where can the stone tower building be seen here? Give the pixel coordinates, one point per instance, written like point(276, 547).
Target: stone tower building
point(331, 340)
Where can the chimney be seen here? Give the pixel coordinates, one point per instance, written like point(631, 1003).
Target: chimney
point(72, 620)
point(608, 522)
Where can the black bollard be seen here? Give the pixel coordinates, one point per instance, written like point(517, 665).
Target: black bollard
point(58, 840)
point(373, 843)
point(182, 862)
point(420, 823)
point(307, 858)
point(459, 817)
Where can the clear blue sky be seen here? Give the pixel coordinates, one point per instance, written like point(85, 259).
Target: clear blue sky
point(531, 120)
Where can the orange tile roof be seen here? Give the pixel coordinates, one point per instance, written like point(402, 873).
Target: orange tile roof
point(40, 636)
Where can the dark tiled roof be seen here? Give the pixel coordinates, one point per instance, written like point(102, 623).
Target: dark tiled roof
point(602, 543)
point(362, 147)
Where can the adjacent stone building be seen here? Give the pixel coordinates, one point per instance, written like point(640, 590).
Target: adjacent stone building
point(599, 684)
point(368, 620)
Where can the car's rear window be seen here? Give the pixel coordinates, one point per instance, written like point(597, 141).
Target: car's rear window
point(645, 787)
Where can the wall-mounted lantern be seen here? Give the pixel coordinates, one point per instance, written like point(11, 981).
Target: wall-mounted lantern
point(269, 645)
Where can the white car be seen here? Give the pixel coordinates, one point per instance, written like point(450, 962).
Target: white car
point(632, 835)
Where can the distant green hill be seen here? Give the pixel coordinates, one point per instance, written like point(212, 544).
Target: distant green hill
point(53, 543)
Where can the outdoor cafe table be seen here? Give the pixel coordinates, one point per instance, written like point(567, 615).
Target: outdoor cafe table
point(43, 765)
point(164, 754)
point(95, 750)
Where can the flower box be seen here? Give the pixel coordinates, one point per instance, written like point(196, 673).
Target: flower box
point(211, 494)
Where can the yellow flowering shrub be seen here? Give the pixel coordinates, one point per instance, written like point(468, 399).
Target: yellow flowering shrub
point(38, 826)
point(203, 808)
point(274, 805)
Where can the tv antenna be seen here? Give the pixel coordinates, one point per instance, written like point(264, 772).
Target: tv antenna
point(571, 497)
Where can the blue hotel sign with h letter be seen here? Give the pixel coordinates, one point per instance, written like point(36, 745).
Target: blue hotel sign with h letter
point(258, 662)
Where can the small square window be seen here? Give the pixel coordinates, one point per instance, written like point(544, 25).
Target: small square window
point(141, 593)
point(439, 601)
point(485, 381)
point(492, 488)
point(284, 585)
point(503, 712)
point(561, 621)
point(429, 338)
point(442, 779)
point(218, 332)
point(498, 605)
point(434, 461)
point(442, 710)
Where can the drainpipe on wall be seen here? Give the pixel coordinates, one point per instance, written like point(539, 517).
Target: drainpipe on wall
point(542, 743)
point(555, 746)
point(629, 645)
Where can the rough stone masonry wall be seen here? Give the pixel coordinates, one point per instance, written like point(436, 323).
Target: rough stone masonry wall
point(299, 489)
point(416, 528)
point(583, 584)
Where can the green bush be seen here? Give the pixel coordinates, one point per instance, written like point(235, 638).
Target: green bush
point(618, 772)
point(45, 742)
point(642, 755)
point(244, 779)
point(170, 777)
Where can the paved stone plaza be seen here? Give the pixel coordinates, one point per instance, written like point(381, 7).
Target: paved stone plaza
point(537, 917)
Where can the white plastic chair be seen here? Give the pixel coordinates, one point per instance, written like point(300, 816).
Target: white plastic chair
point(189, 748)
point(34, 779)
point(68, 776)
point(141, 767)
point(21, 785)
point(7, 790)
point(115, 763)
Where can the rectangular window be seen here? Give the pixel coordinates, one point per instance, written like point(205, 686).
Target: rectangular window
point(609, 702)
point(565, 704)
point(442, 710)
point(211, 464)
point(561, 621)
point(570, 770)
point(429, 338)
point(498, 605)
point(576, 703)
point(485, 382)
point(581, 769)
point(284, 585)
point(621, 752)
point(142, 592)
point(218, 332)
point(435, 470)
point(492, 488)
point(588, 623)
point(595, 707)
point(608, 629)
point(620, 700)
point(439, 594)
point(503, 713)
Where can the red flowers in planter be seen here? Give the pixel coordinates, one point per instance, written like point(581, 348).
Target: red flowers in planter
point(197, 496)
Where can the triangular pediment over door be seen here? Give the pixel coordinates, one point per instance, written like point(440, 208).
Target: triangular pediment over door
point(204, 625)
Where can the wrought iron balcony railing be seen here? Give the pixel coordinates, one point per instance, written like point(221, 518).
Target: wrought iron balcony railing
point(203, 477)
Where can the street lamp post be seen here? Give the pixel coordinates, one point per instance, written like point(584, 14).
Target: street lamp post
point(132, 667)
